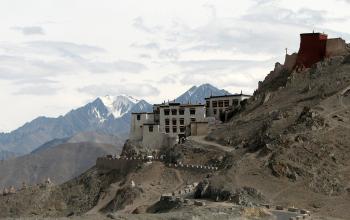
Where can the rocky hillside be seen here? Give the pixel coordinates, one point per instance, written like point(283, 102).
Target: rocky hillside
point(98, 192)
point(292, 139)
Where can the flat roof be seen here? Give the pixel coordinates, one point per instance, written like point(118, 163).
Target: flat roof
point(182, 105)
point(316, 33)
point(140, 113)
point(233, 95)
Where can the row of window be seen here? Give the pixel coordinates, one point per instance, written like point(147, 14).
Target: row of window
point(174, 121)
point(222, 103)
point(181, 111)
point(216, 111)
point(175, 129)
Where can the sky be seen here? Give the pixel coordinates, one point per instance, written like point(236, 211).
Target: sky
point(57, 55)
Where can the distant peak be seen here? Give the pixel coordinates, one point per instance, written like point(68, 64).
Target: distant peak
point(110, 98)
point(206, 85)
point(118, 105)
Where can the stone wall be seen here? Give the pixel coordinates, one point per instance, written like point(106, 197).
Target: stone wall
point(290, 61)
point(194, 167)
point(157, 140)
point(199, 128)
point(136, 126)
point(336, 47)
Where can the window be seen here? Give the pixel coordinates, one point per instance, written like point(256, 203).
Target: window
point(174, 111)
point(192, 111)
point(182, 121)
point(226, 103)
point(167, 121)
point(138, 117)
point(182, 129)
point(167, 130)
point(215, 111)
point(193, 120)
point(174, 129)
point(215, 104)
point(181, 111)
point(221, 103)
point(235, 102)
point(150, 128)
point(208, 104)
point(166, 111)
point(174, 121)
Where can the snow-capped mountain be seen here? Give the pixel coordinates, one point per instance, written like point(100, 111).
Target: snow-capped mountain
point(119, 105)
point(106, 115)
point(197, 94)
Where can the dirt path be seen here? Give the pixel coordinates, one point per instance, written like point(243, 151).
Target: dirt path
point(153, 194)
point(340, 108)
point(105, 199)
point(201, 140)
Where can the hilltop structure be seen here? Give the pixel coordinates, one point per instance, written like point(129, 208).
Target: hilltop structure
point(166, 124)
point(315, 47)
point(170, 122)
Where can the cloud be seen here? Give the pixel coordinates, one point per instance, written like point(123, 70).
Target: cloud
point(38, 90)
point(140, 24)
point(38, 60)
point(171, 54)
point(145, 56)
point(35, 81)
point(278, 15)
point(30, 30)
point(171, 79)
point(122, 66)
point(215, 66)
point(62, 48)
point(137, 90)
point(258, 31)
point(237, 74)
point(150, 46)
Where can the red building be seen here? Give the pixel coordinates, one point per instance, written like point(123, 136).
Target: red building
point(312, 49)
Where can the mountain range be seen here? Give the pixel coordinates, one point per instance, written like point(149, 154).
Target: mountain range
point(108, 115)
point(59, 163)
point(197, 94)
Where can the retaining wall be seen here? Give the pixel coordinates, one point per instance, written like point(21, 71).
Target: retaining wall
point(193, 167)
point(299, 213)
point(126, 164)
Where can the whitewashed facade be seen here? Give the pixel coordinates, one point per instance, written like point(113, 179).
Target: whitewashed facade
point(165, 124)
